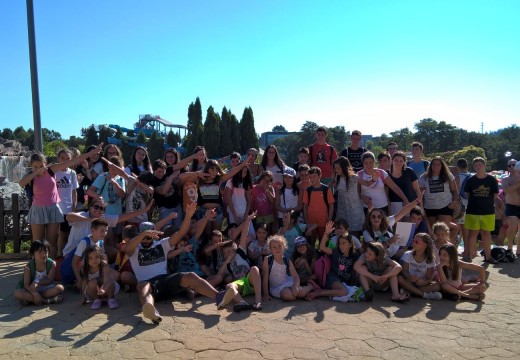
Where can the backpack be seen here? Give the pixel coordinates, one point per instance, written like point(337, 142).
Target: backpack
point(32, 269)
point(321, 269)
point(270, 261)
point(243, 255)
point(324, 189)
point(425, 164)
point(501, 255)
point(330, 157)
point(462, 193)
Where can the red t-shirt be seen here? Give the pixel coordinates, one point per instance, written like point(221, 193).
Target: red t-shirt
point(322, 156)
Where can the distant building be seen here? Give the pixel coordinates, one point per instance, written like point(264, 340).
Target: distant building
point(365, 139)
point(268, 138)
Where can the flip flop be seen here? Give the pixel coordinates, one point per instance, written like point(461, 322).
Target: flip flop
point(490, 261)
point(402, 301)
point(241, 307)
point(256, 306)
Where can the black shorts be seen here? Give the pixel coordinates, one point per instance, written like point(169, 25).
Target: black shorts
point(166, 286)
point(65, 227)
point(436, 212)
point(512, 211)
point(498, 226)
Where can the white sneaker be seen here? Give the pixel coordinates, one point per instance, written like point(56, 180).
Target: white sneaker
point(150, 312)
point(435, 295)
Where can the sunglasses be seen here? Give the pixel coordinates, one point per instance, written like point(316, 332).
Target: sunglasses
point(511, 165)
point(97, 207)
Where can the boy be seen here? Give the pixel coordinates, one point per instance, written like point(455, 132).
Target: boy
point(384, 161)
point(417, 163)
point(482, 189)
point(322, 155)
point(245, 278)
point(147, 255)
point(303, 158)
point(354, 151)
point(318, 202)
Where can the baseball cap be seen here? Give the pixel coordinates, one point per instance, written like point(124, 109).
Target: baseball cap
point(300, 240)
point(517, 166)
point(146, 226)
point(289, 172)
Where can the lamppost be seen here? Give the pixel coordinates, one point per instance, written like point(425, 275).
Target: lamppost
point(34, 78)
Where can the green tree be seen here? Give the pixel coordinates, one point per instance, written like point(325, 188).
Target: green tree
point(51, 148)
point(104, 134)
point(211, 134)
point(468, 153)
point(337, 137)
point(155, 147)
point(75, 142)
point(172, 139)
point(403, 137)
point(50, 135)
point(194, 125)
point(7, 134)
point(279, 128)
point(248, 137)
point(141, 138)
point(226, 142)
point(235, 131)
point(91, 138)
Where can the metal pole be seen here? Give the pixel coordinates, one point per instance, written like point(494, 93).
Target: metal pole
point(38, 145)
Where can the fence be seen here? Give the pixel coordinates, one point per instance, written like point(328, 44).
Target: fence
point(13, 223)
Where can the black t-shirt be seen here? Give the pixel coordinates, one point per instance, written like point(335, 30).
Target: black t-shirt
point(481, 199)
point(170, 200)
point(354, 156)
point(405, 184)
point(343, 266)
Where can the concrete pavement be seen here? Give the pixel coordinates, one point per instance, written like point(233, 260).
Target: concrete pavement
point(303, 330)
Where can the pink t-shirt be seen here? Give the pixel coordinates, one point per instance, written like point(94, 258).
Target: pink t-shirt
point(45, 192)
point(260, 201)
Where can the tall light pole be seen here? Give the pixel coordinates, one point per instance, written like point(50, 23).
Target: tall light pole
point(34, 78)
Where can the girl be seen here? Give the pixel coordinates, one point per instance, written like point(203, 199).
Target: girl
point(280, 278)
point(263, 195)
point(37, 286)
point(87, 171)
point(348, 203)
point(406, 179)
point(272, 161)
point(441, 235)
point(256, 169)
point(377, 229)
point(378, 272)
point(341, 228)
point(450, 274)
point(139, 194)
point(238, 196)
point(343, 258)
point(440, 191)
point(110, 187)
point(258, 249)
point(110, 151)
point(140, 162)
point(67, 183)
point(418, 265)
point(45, 215)
point(292, 228)
point(288, 197)
point(97, 284)
point(371, 187)
point(199, 163)
point(303, 259)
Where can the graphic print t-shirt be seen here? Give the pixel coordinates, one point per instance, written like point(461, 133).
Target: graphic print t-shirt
point(150, 262)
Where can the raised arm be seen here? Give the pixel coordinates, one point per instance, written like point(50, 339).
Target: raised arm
point(329, 228)
point(185, 226)
point(77, 160)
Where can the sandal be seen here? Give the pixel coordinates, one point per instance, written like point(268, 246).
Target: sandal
point(369, 295)
point(256, 306)
point(401, 300)
point(112, 303)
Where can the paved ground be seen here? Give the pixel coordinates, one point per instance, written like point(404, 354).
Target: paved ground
point(303, 330)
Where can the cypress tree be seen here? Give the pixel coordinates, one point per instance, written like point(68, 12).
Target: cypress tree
point(248, 136)
point(211, 134)
point(226, 143)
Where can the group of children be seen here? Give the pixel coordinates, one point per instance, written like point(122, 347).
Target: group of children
point(280, 240)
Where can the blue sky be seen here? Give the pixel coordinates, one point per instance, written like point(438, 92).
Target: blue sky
point(376, 66)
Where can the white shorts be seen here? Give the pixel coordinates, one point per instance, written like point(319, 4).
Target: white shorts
point(275, 291)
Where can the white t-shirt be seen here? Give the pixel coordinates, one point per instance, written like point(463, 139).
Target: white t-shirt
point(437, 195)
point(287, 200)
point(150, 262)
point(135, 201)
point(415, 268)
point(66, 182)
point(376, 192)
point(82, 246)
point(238, 198)
point(81, 229)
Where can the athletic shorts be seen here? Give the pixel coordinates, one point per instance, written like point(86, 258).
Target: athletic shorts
point(245, 284)
point(480, 222)
point(436, 212)
point(166, 286)
point(512, 211)
point(498, 226)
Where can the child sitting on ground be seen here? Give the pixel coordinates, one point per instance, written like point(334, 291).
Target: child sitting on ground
point(258, 249)
point(450, 274)
point(98, 284)
point(378, 272)
point(292, 228)
point(37, 286)
point(343, 258)
point(342, 228)
point(418, 265)
point(304, 260)
point(280, 278)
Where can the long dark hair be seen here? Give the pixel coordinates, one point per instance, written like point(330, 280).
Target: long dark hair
point(146, 162)
point(454, 261)
point(277, 159)
point(385, 227)
point(295, 188)
point(245, 182)
point(346, 169)
point(309, 255)
point(85, 266)
point(444, 175)
point(195, 162)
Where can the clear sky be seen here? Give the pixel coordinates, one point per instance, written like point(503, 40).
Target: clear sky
point(372, 65)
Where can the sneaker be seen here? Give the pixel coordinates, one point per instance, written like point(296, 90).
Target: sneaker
point(96, 304)
point(241, 307)
point(435, 295)
point(223, 298)
point(112, 303)
point(150, 312)
point(369, 295)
